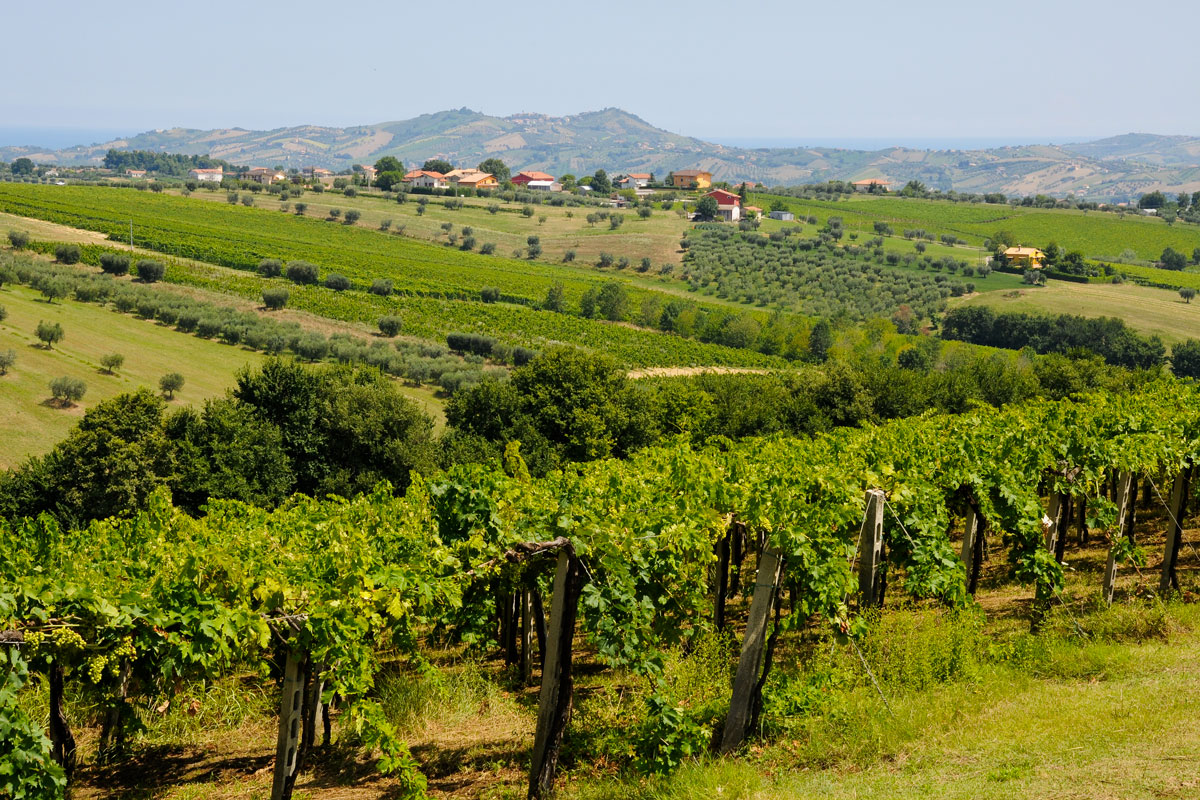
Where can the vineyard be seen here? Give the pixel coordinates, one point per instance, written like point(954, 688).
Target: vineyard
point(1099, 235)
point(632, 556)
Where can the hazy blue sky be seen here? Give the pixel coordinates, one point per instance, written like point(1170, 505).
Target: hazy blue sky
point(1048, 70)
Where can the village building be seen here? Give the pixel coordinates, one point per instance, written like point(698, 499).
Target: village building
point(729, 205)
point(872, 185)
point(544, 186)
point(426, 179)
point(1025, 257)
point(472, 179)
point(264, 175)
point(691, 179)
point(205, 175)
point(635, 180)
point(526, 177)
point(368, 172)
point(315, 172)
point(135, 173)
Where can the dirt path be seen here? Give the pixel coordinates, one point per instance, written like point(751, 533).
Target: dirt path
point(687, 372)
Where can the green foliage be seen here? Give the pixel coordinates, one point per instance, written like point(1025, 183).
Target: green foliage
point(111, 362)
point(7, 359)
point(114, 263)
point(301, 273)
point(339, 283)
point(270, 268)
point(150, 271)
point(67, 253)
point(27, 771)
point(390, 326)
point(1185, 359)
point(50, 333)
point(497, 168)
point(275, 298)
point(67, 390)
point(18, 239)
point(170, 383)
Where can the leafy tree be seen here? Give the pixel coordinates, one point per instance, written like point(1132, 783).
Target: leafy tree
point(275, 298)
point(352, 216)
point(300, 209)
point(390, 180)
point(437, 165)
point(112, 362)
point(170, 383)
point(51, 333)
point(1153, 199)
point(556, 298)
point(497, 168)
point(381, 287)
point(601, 182)
point(1173, 259)
point(301, 272)
point(820, 341)
point(706, 209)
point(68, 253)
point(612, 301)
point(53, 289)
point(339, 283)
point(270, 268)
point(489, 294)
point(114, 263)
point(22, 166)
point(390, 325)
point(1187, 293)
point(18, 239)
point(7, 359)
point(1196, 256)
point(150, 271)
point(1185, 359)
point(67, 390)
point(388, 164)
point(915, 189)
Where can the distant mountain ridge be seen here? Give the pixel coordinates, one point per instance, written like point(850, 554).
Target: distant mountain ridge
point(1116, 168)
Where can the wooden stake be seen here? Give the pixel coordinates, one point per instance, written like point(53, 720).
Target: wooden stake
point(526, 636)
point(1054, 527)
point(972, 548)
point(721, 579)
point(870, 551)
point(61, 738)
point(770, 568)
point(1123, 485)
point(287, 746)
point(1179, 497)
point(554, 703)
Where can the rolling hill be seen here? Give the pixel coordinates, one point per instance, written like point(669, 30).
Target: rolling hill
point(1116, 168)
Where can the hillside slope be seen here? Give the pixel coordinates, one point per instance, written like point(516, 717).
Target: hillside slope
point(1116, 168)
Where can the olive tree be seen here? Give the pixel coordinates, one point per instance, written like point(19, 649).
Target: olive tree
point(67, 390)
point(170, 383)
point(51, 333)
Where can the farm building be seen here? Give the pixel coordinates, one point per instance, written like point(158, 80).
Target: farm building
point(525, 177)
point(752, 211)
point(263, 175)
point(1025, 257)
point(214, 175)
point(368, 172)
point(135, 173)
point(424, 179)
point(786, 216)
point(691, 179)
point(728, 204)
point(635, 180)
point(872, 185)
point(544, 186)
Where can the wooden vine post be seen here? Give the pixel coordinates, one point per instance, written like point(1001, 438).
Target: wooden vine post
point(527, 626)
point(554, 704)
point(870, 552)
point(291, 707)
point(721, 578)
point(972, 547)
point(1123, 486)
point(1056, 523)
point(741, 704)
point(1179, 498)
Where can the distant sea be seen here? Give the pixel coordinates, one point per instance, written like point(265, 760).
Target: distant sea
point(882, 143)
point(58, 138)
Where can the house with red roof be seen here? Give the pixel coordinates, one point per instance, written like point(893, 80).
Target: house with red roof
point(528, 176)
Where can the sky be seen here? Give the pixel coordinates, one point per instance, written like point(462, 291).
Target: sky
point(766, 72)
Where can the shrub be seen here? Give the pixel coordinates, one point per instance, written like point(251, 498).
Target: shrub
point(489, 294)
point(67, 390)
point(50, 333)
point(339, 283)
point(231, 198)
point(270, 268)
point(301, 272)
point(112, 362)
point(170, 383)
point(381, 287)
point(385, 225)
point(390, 326)
point(68, 253)
point(7, 359)
point(275, 299)
point(300, 209)
point(247, 200)
point(487, 248)
point(334, 213)
point(114, 263)
point(569, 256)
point(352, 216)
point(470, 343)
point(18, 239)
point(313, 347)
point(150, 271)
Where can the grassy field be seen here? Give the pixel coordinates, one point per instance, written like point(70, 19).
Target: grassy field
point(29, 424)
point(1150, 311)
point(1099, 235)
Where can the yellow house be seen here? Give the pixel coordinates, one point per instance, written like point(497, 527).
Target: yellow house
point(1025, 257)
point(691, 179)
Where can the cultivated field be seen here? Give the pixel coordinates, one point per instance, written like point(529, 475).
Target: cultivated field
point(30, 424)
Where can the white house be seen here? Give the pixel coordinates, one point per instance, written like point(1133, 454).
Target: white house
point(544, 186)
point(424, 179)
point(215, 175)
point(635, 180)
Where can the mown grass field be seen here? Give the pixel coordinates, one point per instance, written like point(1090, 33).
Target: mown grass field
point(1149, 311)
point(29, 424)
point(1099, 235)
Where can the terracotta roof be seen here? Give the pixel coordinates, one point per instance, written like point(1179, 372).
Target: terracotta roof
point(876, 181)
point(641, 176)
point(417, 173)
point(477, 177)
point(208, 170)
point(534, 175)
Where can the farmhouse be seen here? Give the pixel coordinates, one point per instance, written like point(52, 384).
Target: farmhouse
point(728, 204)
point(135, 173)
point(263, 175)
point(635, 180)
point(316, 172)
point(368, 172)
point(424, 179)
point(691, 179)
point(526, 177)
point(872, 185)
point(1025, 257)
point(786, 216)
point(472, 179)
point(214, 175)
